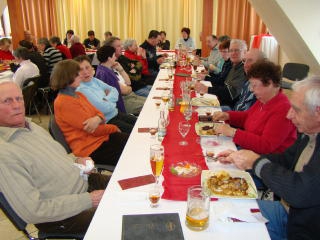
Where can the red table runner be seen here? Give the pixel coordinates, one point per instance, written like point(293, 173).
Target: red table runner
point(175, 188)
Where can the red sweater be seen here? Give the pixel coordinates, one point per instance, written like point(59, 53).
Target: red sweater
point(6, 55)
point(64, 50)
point(70, 113)
point(134, 56)
point(266, 128)
point(77, 49)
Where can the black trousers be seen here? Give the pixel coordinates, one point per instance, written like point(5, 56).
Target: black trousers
point(110, 151)
point(77, 224)
point(125, 122)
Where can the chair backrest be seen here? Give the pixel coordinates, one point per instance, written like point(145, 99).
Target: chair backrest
point(295, 71)
point(29, 90)
point(57, 134)
point(11, 214)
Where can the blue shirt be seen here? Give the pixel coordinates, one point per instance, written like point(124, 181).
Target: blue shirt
point(95, 91)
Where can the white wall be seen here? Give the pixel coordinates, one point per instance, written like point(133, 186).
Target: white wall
point(296, 26)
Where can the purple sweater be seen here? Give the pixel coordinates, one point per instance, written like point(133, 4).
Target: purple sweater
point(109, 77)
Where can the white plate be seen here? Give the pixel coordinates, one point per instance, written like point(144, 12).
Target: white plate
point(252, 191)
point(205, 102)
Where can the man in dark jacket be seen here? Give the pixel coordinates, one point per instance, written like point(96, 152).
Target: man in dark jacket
point(154, 60)
point(294, 175)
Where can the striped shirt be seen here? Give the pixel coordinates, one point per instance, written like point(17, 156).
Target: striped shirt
point(52, 56)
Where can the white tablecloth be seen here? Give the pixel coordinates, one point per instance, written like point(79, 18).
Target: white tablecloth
point(134, 161)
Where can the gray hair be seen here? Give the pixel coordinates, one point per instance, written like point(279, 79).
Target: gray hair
point(75, 39)
point(128, 43)
point(110, 41)
point(44, 41)
point(21, 52)
point(242, 44)
point(311, 85)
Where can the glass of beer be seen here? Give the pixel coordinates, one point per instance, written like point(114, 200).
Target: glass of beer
point(156, 160)
point(154, 195)
point(198, 209)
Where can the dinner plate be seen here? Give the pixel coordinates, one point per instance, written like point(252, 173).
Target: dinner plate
point(203, 132)
point(204, 102)
point(251, 192)
point(185, 169)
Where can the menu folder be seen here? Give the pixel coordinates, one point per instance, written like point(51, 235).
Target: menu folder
point(165, 226)
point(136, 181)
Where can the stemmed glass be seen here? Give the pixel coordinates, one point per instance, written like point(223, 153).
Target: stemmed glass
point(184, 128)
point(165, 98)
point(156, 160)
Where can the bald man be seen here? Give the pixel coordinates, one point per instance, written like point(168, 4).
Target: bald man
point(37, 177)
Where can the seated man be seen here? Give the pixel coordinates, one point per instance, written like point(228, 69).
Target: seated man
point(154, 60)
point(294, 175)
point(247, 98)
point(91, 42)
point(140, 85)
point(212, 61)
point(229, 92)
point(112, 73)
point(27, 69)
point(38, 178)
point(103, 96)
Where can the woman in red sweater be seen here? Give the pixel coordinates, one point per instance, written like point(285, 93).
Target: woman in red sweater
point(76, 48)
point(82, 124)
point(5, 53)
point(263, 128)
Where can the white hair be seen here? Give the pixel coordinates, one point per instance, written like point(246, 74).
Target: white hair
point(128, 43)
point(242, 44)
point(311, 85)
point(75, 39)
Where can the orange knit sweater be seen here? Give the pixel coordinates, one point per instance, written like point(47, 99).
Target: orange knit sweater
point(70, 113)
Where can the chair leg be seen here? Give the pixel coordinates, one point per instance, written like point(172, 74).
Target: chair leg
point(37, 111)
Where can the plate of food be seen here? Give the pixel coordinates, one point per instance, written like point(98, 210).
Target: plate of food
point(205, 129)
point(229, 184)
point(205, 102)
point(185, 169)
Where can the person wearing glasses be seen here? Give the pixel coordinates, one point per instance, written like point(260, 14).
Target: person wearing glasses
point(229, 92)
point(38, 178)
point(264, 127)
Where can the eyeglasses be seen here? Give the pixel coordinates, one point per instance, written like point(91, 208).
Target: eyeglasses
point(247, 60)
point(9, 101)
point(237, 50)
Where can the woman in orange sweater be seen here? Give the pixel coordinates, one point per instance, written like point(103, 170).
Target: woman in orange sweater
point(81, 123)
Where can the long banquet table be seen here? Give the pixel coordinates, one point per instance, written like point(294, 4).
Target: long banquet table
point(134, 161)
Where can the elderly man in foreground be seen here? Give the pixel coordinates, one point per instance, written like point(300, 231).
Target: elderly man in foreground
point(37, 177)
point(293, 175)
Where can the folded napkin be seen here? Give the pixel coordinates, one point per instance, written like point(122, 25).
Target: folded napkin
point(228, 212)
point(162, 88)
point(156, 97)
point(145, 129)
point(165, 79)
point(182, 74)
point(136, 181)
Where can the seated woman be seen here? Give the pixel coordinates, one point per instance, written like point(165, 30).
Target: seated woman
point(82, 124)
point(5, 53)
point(263, 128)
point(186, 41)
point(103, 96)
point(164, 44)
point(112, 73)
point(76, 49)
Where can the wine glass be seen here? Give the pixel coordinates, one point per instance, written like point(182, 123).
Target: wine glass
point(170, 73)
point(184, 128)
point(165, 98)
point(156, 160)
